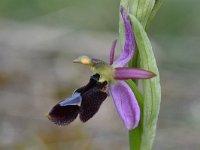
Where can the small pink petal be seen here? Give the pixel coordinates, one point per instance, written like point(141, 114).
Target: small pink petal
point(112, 51)
point(126, 104)
point(124, 73)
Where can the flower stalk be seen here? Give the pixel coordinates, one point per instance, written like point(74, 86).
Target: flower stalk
point(141, 12)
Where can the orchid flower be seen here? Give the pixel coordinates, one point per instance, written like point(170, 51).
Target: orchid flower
point(116, 72)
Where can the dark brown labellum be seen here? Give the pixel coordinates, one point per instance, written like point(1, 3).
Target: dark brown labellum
point(63, 115)
point(92, 100)
point(85, 101)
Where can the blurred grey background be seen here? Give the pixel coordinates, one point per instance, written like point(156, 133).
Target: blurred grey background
point(39, 40)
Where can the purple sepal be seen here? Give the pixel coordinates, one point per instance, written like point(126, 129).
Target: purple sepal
point(126, 104)
point(124, 73)
point(129, 46)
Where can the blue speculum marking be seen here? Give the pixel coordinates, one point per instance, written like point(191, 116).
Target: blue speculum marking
point(74, 100)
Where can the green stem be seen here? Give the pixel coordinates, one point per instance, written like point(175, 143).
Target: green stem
point(135, 135)
point(141, 13)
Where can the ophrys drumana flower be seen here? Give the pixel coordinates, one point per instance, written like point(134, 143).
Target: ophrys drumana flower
point(116, 72)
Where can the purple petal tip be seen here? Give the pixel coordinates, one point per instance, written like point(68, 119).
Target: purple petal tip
point(112, 51)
